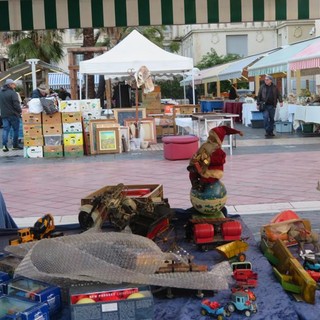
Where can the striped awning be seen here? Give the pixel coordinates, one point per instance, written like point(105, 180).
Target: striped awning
point(212, 74)
point(57, 80)
point(309, 58)
point(277, 62)
point(70, 14)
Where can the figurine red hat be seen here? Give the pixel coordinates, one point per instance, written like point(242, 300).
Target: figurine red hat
point(217, 134)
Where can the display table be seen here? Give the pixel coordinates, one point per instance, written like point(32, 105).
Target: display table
point(234, 108)
point(246, 113)
point(272, 301)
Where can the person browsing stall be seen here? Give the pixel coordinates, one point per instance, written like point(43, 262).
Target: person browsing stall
point(267, 100)
point(233, 92)
point(41, 92)
point(11, 112)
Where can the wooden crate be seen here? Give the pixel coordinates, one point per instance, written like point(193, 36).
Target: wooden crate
point(156, 192)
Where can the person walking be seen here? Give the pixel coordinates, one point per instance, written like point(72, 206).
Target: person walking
point(11, 112)
point(267, 100)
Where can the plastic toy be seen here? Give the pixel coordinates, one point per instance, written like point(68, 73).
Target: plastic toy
point(311, 265)
point(240, 301)
point(234, 250)
point(213, 308)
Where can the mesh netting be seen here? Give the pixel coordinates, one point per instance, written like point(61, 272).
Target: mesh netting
point(110, 257)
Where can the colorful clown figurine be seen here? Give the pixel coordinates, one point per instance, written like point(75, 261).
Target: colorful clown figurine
point(208, 194)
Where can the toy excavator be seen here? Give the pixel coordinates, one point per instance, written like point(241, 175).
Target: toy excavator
point(43, 228)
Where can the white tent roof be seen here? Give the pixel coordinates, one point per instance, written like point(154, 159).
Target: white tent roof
point(133, 52)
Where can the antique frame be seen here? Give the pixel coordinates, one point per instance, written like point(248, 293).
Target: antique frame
point(98, 124)
point(107, 140)
point(124, 113)
point(147, 125)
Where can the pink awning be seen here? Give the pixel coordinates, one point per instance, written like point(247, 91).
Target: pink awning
point(308, 58)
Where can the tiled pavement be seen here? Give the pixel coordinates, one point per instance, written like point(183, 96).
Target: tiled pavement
point(263, 176)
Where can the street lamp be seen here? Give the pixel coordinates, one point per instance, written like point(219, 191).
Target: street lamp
point(33, 63)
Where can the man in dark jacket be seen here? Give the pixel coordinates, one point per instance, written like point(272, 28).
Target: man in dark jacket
point(269, 96)
point(41, 92)
point(10, 112)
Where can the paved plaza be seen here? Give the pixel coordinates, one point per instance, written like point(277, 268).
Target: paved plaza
point(262, 177)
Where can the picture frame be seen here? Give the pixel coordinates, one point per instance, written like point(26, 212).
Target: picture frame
point(107, 140)
point(147, 129)
point(120, 114)
point(125, 139)
point(98, 124)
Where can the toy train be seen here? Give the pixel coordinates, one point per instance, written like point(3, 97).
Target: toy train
point(207, 233)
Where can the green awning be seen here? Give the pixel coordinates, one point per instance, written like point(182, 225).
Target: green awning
point(69, 14)
point(277, 61)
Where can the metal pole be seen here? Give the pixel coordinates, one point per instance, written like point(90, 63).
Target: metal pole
point(33, 63)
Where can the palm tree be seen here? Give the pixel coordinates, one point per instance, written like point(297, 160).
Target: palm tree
point(43, 45)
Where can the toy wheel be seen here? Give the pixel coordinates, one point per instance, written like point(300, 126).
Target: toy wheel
point(231, 308)
point(247, 313)
point(219, 317)
point(204, 312)
point(242, 257)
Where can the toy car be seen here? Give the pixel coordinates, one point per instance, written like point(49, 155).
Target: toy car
point(243, 274)
point(310, 265)
point(250, 293)
point(240, 301)
point(213, 308)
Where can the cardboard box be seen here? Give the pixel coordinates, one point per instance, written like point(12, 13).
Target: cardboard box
point(53, 140)
point(122, 302)
point(73, 127)
point(71, 117)
point(51, 118)
point(53, 151)
point(155, 192)
point(92, 115)
point(33, 152)
point(73, 151)
point(32, 129)
point(35, 291)
point(283, 126)
point(73, 139)
point(32, 118)
point(52, 129)
point(22, 309)
point(69, 106)
point(30, 141)
point(88, 105)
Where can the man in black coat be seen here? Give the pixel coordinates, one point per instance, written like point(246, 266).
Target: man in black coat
point(10, 112)
point(269, 96)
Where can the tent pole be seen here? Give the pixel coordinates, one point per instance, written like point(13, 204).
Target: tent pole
point(193, 90)
point(80, 86)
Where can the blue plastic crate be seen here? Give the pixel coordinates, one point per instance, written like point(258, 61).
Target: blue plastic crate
point(209, 106)
point(257, 115)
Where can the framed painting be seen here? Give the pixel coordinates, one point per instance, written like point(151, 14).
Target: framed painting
point(107, 140)
point(121, 114)
point(125, 139)
point(98, 124)
point(147, 129)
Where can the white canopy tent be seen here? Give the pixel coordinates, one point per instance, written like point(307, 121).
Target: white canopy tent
point(130, 54)
point(133, 52)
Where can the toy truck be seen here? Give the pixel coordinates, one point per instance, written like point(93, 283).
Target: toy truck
point(43, 228)
point(243, 274)
point(206, 233)
point(213, 308)
point(240, 301)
